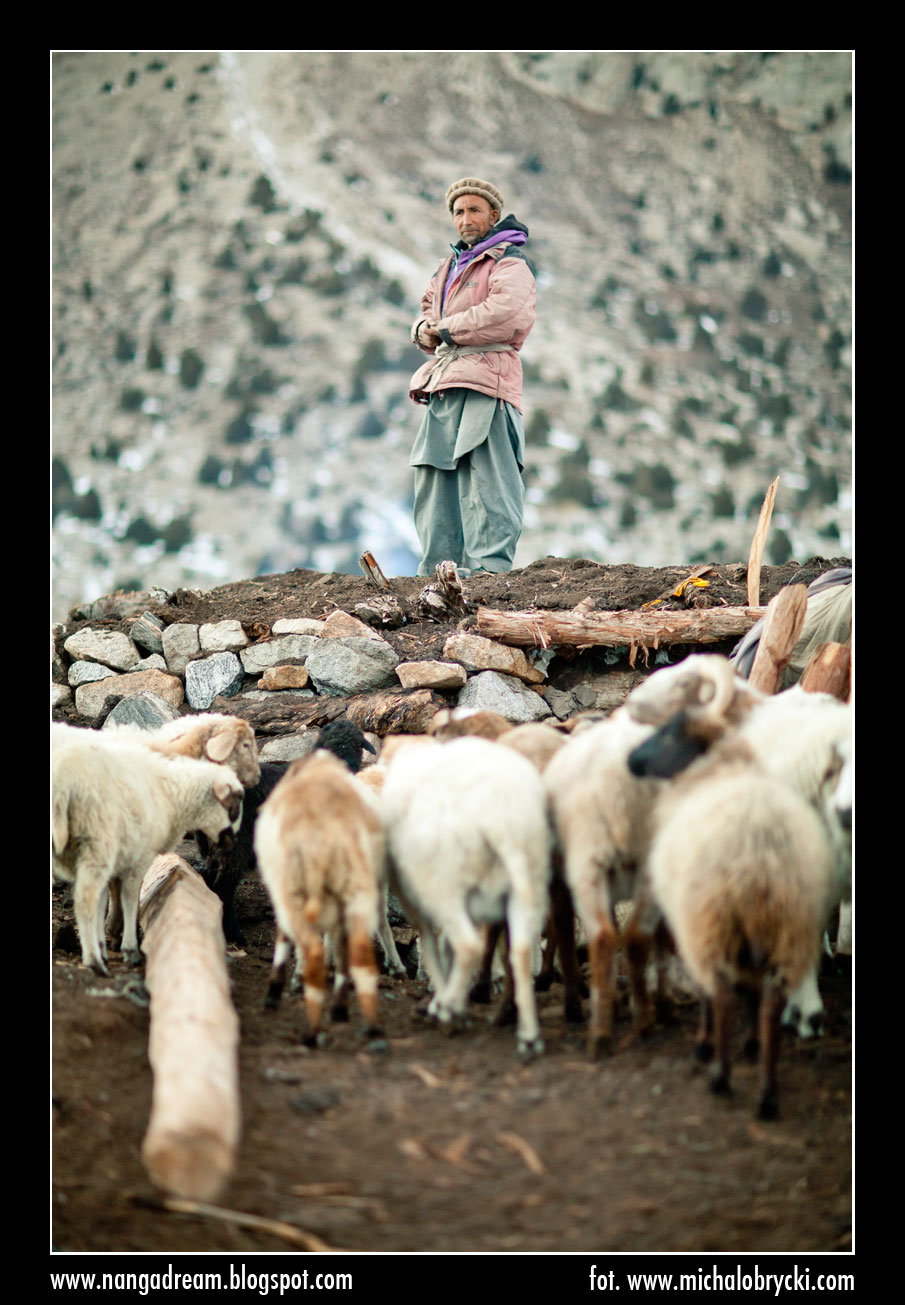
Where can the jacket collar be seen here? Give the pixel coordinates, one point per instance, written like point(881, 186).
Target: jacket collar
point(509, 223)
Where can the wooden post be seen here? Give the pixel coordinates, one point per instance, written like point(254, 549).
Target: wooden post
point(830, 671)
point(757, 545)
point(190, 1144)
point(781, 631)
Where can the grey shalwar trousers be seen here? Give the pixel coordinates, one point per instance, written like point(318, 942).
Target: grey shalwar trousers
point(469, 495)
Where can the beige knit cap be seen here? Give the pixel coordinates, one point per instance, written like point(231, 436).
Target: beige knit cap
point(472, 186)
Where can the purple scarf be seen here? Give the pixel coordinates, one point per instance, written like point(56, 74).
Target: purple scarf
point(465, 256)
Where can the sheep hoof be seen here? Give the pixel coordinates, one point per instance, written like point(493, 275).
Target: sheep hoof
point(480, 993)
point(99, 967)
point(529, 1048)
point(719, 1085)
point(272, 1000)
point(543, 982)
point(704, 1052)
point(340, 1014)
point(132, 958)
point(377, 1043)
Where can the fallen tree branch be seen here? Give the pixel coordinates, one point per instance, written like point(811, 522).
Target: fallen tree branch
point(544, 629)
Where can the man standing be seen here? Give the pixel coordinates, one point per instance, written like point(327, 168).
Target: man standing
point(470, 450)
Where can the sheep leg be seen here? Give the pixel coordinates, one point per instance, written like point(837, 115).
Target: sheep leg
point(387, 941)
point(753, 1002)
point(363, 969)
point(703, 1046)
point(543, 980)
point(114, 925)
point(315, 985)
point(339, 1012)
point(89, 902)
point(771, 1007)
point(467, 948)
point(131, 888)
point(507, 1011)
point(638, 937)
point(482, 987)
point(232, 930)
point(528, 1036)
point(602, 944)
point(281, 951)
point(562, 929)
point(723, 1006)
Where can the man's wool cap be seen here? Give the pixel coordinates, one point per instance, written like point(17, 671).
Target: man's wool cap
point(473, 186)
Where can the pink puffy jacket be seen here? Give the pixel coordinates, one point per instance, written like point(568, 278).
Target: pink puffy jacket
point(492, 302)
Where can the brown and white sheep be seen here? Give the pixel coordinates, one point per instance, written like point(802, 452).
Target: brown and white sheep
point(320, 852)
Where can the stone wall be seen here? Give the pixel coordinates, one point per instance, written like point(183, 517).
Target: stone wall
point(149, 670)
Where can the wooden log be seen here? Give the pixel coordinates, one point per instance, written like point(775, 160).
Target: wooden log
point(757, 544)
point(390, 712)
point(782, 628)
point(637, 630)
point(190, 1145)
point(830, 671)
point(386, 711)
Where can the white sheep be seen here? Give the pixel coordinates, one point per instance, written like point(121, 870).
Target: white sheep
point(601, 819)
point(320, 851)
point(799, 738)
point(212, 736)
point(468, 845)
point(117, 805)
point(743, 870)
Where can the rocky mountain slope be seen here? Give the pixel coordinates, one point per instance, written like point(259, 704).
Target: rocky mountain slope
point(240, 241)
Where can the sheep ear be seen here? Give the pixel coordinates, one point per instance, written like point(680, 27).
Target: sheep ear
point(223, 790)
point(705, 689)
point(219, 746)
point(724, 683)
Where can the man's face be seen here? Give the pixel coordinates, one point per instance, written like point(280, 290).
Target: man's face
point(473, 217)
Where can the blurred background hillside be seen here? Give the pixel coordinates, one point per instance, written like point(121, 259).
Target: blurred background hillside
point(241, 240)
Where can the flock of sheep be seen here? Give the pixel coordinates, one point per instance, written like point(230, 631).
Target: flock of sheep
point(720, 815)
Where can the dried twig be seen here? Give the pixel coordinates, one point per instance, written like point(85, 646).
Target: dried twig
point(427, 1078)
point(288, 1232)
point(523, 1149)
